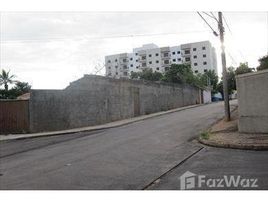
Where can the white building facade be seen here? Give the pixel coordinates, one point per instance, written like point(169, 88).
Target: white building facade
point(200, 55)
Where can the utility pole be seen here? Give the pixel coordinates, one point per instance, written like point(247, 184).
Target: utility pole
point(224, 71)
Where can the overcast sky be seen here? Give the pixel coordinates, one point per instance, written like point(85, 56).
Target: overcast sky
point(51, 49)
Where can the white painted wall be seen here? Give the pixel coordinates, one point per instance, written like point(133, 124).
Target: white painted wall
point(207, 96)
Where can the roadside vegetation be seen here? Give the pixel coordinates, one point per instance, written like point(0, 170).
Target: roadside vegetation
point(181, 73)
point(205, 135)
point(19, 88)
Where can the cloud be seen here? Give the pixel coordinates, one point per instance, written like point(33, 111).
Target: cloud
point(51, 49)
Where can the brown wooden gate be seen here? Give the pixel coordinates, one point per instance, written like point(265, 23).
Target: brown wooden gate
point(14, 116)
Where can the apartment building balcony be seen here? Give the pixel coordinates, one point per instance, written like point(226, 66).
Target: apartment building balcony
point(165, 55)
point(186, 53)
point(166, 62)
point(142, 59)
point(123, 68)
point(143, 65)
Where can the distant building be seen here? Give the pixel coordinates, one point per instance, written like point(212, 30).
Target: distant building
point(200, 55)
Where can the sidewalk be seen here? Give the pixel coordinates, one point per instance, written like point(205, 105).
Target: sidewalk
point(94, 128)
point(225, 134)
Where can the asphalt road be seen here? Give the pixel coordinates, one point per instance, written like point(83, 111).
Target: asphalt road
point(134, 156)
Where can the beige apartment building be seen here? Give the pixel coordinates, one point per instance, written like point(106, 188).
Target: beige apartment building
point(201, 56)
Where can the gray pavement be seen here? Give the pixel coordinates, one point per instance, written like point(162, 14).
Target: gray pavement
point(127, 157)
point(217, 162)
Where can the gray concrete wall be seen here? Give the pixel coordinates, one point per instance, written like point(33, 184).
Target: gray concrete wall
point(94, 100)
point(252, 97)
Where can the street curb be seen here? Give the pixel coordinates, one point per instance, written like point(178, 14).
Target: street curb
point(233, 146)
point(211, 143)
point(101, 127)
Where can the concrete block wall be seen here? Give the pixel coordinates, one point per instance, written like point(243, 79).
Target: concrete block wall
point(252, 94)
point(94, 100)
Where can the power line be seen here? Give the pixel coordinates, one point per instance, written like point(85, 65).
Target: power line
point(96, 38)
point(240, 52)
point(232, 58)
point(212, 16)
point(214, 32)
point(226, 24)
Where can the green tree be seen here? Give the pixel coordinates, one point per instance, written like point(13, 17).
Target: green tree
point(263, 63)
point(213, 79)
point(6, 78)
point(134, 75)
point(180, 74)
point(147, 74)
point(243, 68)
point(230, 80)
point(22, 87)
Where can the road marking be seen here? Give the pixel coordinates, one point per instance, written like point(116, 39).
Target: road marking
point(157, 180)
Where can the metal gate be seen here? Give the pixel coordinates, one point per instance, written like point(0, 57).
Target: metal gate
point(14, 116)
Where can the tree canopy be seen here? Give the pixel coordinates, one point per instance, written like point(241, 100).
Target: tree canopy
point(147, 74)
point(180, 73)
point(18, 89)
point(243, 68)
point(6, 78)
point(263, 63)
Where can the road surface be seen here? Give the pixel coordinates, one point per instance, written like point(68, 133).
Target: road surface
point(133, 156)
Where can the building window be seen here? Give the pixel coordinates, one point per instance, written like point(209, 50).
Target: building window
point(137, 60)
point(143, 57)
point(196, 71)
point(157, 68)
point(143, 64)
point(156, 54)
point(204, 55)
point(150, 62)
point(187, 59)
point(116, 66)
point(131, 65)
point(109, 67)
point(173, 52)
point(137, 67)
point(115, 60)
point(205, 70)
point(195, 56)
point(109, 61)
point(203, 48)
point(195, 64)
point(194, 49)
point(178, 52)
point(124, 67)
point(179, 59)
point(124, 60)
point(150, 55)
point(157, 61)
point(131, 58)
point(174, 60)
point(204, 63)
point(125, 73)
point(136, 54)
point(166, 68)
point(165, 54)
point(166, 61)
point(187, 51)
point(116, 73)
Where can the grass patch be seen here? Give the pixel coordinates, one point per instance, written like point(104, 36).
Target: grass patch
point(205, 135)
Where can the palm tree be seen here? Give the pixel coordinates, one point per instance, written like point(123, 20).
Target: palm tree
point(6, 79)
